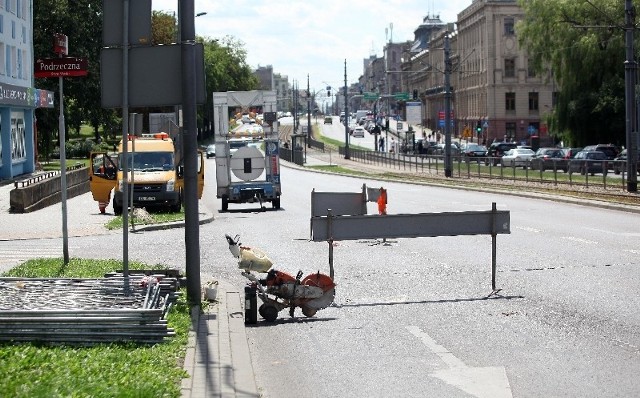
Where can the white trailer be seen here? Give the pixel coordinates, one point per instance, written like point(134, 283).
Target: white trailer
point(252, 174)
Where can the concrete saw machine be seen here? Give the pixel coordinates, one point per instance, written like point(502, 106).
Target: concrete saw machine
point(277, 289)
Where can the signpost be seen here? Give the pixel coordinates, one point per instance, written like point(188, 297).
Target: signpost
point(370, 96)
point(401, 96)
point(61, 67)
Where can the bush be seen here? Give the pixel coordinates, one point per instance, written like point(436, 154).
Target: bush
point(79, 149)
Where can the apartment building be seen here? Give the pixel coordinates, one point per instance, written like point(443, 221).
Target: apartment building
point(491, 83)
point(18, 96)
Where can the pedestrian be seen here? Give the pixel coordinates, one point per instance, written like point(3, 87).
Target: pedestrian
point(381, 144)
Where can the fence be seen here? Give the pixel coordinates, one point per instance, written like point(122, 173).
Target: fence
point(577, 174)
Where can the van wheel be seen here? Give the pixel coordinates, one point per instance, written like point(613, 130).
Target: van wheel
point(117, 210)
point(276, 203)
point(176, 207)
point(225, 203)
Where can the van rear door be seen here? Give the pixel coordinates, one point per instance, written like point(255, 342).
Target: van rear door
point(102, 175)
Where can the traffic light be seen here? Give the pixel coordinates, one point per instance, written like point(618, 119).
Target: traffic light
point(479, 127)
point(415, 94)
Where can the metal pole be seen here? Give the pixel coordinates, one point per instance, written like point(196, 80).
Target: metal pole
point(631, 127)
point(308, 113)
point(192, 225)
point(63, 175)
point(346, 115)
point(448, 168)
point(125, 139)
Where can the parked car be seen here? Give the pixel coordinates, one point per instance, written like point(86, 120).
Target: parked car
point(497, 150)
point(589, 162)
point(211, 151)
point(474, 151)
point(569, 153)
point(328, 120)
point(610, 150)
point(438, 149)
point(620, 162)
point(517, 157)
point(547, 159)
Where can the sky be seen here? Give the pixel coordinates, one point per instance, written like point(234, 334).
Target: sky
point(301, 38)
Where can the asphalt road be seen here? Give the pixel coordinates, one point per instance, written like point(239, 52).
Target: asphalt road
point(413, 318)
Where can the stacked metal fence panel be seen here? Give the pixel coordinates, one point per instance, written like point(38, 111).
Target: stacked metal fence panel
point(87, 311)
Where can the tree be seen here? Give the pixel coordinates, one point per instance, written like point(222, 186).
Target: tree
point(226, 69)
point(163, 28)
point(81, 21)
point(582, 44)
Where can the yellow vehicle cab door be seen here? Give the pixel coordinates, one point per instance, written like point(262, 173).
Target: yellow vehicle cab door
point(200, 175)
point(102, 175)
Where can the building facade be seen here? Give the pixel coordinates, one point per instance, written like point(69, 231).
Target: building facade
point(18, 96)
point(491, 83)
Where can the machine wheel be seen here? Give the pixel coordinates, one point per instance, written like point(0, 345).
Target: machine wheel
point(225, 203)
point(117, 210)
point(308, 311)
point(268, 312)
point(276, 203)
point(250, 305)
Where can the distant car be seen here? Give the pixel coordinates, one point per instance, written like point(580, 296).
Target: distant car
point(235, 144)
point(474, 151)
point(547, 159)
point(610, 150)
point(328, 120)
point(569, 153)
point(497, 149)
point(620, 162)
point(211, 151)
point(358, 132)
point(517, 157)
point(589, 162)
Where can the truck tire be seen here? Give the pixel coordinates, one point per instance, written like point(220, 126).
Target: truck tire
point(175, 208)
point(117, 210)
point(225, 203)
point(276, 203)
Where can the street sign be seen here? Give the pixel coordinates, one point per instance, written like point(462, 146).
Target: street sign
point(371, 96)
point(60, 67)
point(401, 96)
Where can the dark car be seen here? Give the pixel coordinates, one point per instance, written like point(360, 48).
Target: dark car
point(620, 162)
point(547, 159)
point(474, 151)
point(589, 162)
point(610, 150)
point(497, 150)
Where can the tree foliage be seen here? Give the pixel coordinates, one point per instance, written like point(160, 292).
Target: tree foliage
point(81, 21)
point(582, 43)
point(163, 27)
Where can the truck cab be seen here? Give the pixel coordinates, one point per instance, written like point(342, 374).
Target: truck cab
point(154, 174)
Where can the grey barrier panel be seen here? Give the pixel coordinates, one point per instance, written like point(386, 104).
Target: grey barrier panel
point(373, 194)
point(410, 225)
point(340, 203)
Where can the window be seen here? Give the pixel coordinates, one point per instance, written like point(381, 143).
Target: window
point(7, 61)
point(510, 130)
point(19, 64)
point(2, 65)
point(533, 101)
point(509, 24)
point(531, 72)
point(510, 67)
point(1, 23)
point(510, 101)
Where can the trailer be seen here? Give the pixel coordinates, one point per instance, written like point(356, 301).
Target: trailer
point(250, 173)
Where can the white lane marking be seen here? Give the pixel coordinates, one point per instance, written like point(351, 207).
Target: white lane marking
point(529, 229)
point(579, 240)
point(487, 382)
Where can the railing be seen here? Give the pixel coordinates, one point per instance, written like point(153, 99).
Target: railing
point(43, 176)
point(579, 172)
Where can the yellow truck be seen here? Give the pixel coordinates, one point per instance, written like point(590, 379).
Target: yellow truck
point(155, 174)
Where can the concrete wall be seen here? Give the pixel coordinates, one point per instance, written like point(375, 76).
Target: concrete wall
point(40, 194)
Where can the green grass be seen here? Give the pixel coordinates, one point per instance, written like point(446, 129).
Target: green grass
point(106, 370)
point(55, 165)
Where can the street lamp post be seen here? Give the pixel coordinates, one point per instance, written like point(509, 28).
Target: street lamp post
point(346, 115)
